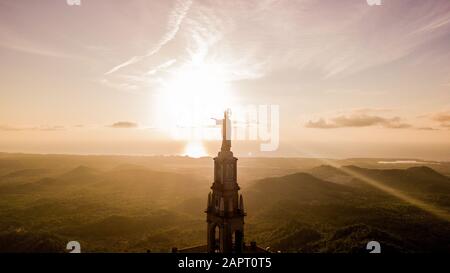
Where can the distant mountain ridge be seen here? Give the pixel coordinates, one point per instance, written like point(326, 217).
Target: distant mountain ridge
point(352, 210)
point(420, 178)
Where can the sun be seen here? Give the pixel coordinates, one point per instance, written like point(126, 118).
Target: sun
point(190, 96)
point(195, 149)
point(194, 93)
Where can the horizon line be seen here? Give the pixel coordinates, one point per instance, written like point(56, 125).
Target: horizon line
point(418, 160)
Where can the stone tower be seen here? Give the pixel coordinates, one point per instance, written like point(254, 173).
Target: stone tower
point(225, 210)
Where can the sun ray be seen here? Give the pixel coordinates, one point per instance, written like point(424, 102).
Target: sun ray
point(436, 211)
point(430, 208)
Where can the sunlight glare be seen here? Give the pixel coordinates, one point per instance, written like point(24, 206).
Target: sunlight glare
point(195, 149)
point(195, 93)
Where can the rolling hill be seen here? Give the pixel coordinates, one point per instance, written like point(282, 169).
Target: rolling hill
point(135, 204)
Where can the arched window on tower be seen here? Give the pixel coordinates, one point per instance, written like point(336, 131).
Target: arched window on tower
point(216, 239)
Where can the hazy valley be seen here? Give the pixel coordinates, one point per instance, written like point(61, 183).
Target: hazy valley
point(135, 204)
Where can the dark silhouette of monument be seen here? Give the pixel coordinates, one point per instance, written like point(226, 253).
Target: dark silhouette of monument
point(225, 207)
point(225, 210)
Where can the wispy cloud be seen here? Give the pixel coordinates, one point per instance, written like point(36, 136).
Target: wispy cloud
point(124, 125)
point(427, 129)
point(439, 118)
point(175, 19)
point(368, 110)
point(160, 67)
point(119, 85)
point(443, 118)
point(353, 36)
point(435, 24)
point(357, 120)
point(254, 38)
point(12, 40)
point(33, 128)
point(367, 117)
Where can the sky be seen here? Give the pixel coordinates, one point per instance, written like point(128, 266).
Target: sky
point(126, 77)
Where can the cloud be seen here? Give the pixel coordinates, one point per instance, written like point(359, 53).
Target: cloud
point(49, 128)
point(427, 129)
point(162, 66)
point(121, 86)
point(36, 128)
point(357, 120)
point(132, 60)
point(367, 110)
point(175, 19)
point(11, 39)
point(442, 117)
point(439, 22)
point(258, 38)
point(124, 124)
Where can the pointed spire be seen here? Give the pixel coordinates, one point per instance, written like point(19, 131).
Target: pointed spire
point(226, 131)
